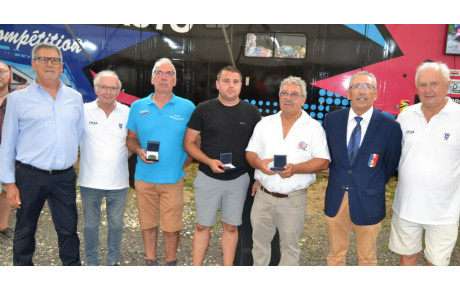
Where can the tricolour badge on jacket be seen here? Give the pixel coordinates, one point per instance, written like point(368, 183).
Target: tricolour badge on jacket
point(373, 158)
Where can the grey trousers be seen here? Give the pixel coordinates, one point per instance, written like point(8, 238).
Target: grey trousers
point(286, 214)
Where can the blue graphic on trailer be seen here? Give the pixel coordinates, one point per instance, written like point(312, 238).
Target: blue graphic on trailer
point(368, 30)
point(99, 42)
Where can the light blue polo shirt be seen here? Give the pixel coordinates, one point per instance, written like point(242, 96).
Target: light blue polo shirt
point(166, 126)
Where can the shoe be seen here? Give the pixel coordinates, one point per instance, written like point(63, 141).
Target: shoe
point(8, 233)
point(151, 262)
point(171, 263)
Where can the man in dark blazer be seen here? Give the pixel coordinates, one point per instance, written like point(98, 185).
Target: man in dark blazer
point(365, 146)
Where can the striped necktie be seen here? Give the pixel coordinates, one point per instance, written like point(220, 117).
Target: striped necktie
point(355, 139)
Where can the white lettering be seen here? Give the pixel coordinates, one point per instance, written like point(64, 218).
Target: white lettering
point(25, 38)
point(183, 29)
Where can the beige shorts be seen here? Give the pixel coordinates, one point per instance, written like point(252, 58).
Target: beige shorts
point(406, 239)
point(157, 202)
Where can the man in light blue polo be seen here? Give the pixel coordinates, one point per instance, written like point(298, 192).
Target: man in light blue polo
point(160, 119)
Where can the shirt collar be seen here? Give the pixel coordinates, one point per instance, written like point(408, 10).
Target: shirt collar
point(366, 116)
point(173, 99)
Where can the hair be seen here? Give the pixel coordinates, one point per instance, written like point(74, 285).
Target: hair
point(436, 66)
point(39, 46)
point(9, 82)
point(231, 69)
point(106, 73)
point(296, 81)
point(366, 73)
point(161, 62)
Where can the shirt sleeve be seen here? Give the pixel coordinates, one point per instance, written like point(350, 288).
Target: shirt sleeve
point(195, 122)
point(320, 149)
point(10, 135)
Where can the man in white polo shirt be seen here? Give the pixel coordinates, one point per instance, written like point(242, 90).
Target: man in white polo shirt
point(104, 167)
point(428, 193)
point(281, 198)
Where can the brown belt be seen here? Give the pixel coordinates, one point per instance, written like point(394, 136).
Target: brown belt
point(277, 195)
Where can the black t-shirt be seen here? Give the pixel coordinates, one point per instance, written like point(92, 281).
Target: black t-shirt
point(225, 129)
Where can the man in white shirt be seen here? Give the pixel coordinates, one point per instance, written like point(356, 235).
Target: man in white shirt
point(428, 193)
point(281, 195)
point(104, 167)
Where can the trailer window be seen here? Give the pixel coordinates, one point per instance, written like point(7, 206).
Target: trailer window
point(275, 45)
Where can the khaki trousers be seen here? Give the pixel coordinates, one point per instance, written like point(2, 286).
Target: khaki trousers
point(339, 228)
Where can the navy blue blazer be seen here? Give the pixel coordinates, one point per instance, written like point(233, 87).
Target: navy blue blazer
point(366, 185)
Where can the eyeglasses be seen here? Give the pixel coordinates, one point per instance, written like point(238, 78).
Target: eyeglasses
point(44, 60)
point(111, 89)
point(4, 72)
point(366, 87)
point(294, 95)
point(167, 73)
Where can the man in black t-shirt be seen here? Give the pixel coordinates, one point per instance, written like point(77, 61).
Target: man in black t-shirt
point(225, 124)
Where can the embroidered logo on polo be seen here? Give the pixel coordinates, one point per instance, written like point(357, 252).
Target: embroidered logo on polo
point(446, 136)
point(120, 125)
point(176, 117)
point(143, 112)
point(93, 122)
point(302, 145)
point(410, 131)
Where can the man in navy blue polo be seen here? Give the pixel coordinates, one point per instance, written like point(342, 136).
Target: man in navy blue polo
point(160, 119)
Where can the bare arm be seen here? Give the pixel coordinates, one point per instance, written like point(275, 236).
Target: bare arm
point(132, 142)
point(312, 166)
point(255, 162)
point(12, 194)
point(191, 146)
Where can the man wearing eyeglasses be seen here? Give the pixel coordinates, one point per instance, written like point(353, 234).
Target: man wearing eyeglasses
point(103, 170)
point(41, 132)
point(427, 199)
point(281, 191)
point(365, 146)
point(161, 120)
point(225, 125)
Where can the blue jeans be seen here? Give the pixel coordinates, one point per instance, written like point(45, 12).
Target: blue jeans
point(115, 207)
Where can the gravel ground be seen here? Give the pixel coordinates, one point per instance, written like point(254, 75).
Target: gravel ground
point(314, 241)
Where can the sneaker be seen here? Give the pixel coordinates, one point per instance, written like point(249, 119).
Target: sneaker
point(8, 233)
point(151, 262)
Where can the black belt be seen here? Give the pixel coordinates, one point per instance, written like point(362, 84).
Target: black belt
point(278, 195)
point(50, 172)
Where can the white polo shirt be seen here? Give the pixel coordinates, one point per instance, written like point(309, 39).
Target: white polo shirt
point(306, 140)
point(103, 151)
point(428, 190)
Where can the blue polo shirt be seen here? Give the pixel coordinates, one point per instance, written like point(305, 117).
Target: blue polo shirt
point(166, 126)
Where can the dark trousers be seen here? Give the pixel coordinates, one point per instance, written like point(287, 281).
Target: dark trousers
point(35, 187)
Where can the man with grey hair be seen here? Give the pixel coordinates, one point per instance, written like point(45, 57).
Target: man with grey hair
point(157, 125)
point(427, 197)
point(103, 168)
point(286, 150)
point(41, 132)
point(365, 146)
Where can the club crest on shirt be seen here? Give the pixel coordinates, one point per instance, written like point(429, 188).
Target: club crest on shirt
point(302, 145)
point(93, 122)
point(410, 131)
point(143, 112)
point(446, 135)
point(120, 125)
